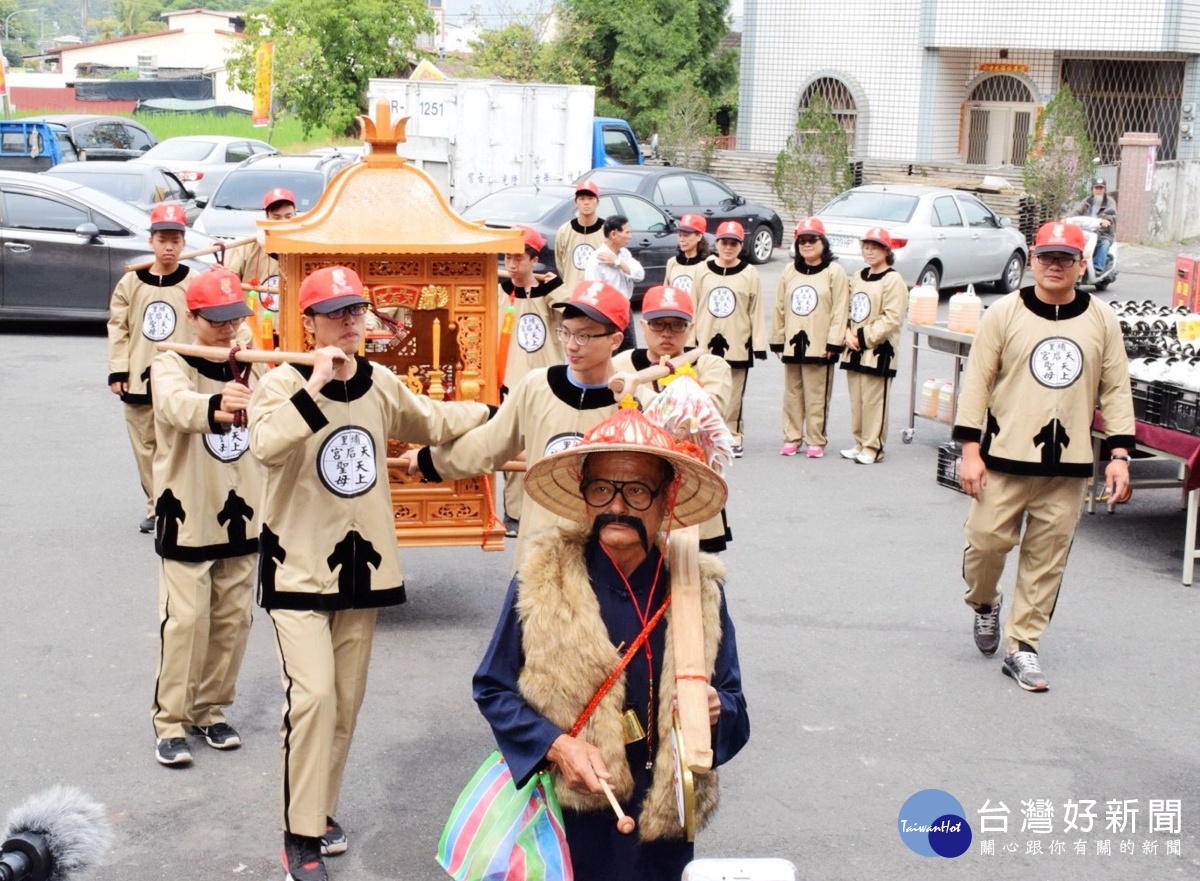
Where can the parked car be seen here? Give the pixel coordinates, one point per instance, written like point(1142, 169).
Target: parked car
point(546, 208)
point(64, 246)
point(202, 161)
point(943, 237)
point(237, 203)
point(681, 191)
point(140, 184)
point(88, 136)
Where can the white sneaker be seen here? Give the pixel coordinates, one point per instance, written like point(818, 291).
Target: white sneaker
point(865, 458)
point(851, 454)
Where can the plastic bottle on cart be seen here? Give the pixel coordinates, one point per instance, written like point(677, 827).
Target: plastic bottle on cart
point(922, 305)
point(965, 309)
point(945, 405)
point(929, 398)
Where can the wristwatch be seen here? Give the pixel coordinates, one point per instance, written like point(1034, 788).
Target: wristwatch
point(1124, 457)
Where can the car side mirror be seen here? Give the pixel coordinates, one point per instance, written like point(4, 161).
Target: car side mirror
point(201, 201)
point(88, 231)
point(1005, 222)
point(739, 201)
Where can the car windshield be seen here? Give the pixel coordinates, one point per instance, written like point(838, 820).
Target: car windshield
point(616, 180)
point(872, 205)
point(187, 151)
point(513, 207)
point(126, 187)
point(243, 189)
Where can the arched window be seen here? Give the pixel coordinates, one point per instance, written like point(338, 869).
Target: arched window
point(1001, 111)
point(837, 97)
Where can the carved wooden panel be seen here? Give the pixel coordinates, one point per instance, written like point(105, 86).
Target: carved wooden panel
point(455, 509)
point(392, 267)
point(468, 268)
point(470, 296)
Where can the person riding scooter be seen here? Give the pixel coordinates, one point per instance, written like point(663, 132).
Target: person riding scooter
point(1100, 205)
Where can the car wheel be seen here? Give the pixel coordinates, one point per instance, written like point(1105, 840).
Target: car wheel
point(1102, 285)
point(930, 276)
point(762, 244)
point(1014, 270)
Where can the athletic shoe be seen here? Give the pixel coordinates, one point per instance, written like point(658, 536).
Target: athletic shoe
point(146, 525)
point(172, 751)
point(789, 449)
point(851, 454)
point(219, 736)
point(815, 452)
point(302, 858)
point(987, 628)
point(1025, 668)
point(737, 451)
point(511, 527)
point(865, 458)
point(334, 841)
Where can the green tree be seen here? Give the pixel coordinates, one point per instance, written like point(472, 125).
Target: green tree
point(688, 131)
point(815, 162)
point(1058, 170)
point(513, 52)
point(327, 50)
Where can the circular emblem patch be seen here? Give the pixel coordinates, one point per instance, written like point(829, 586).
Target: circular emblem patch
point(804, 299)
point(531, 332)
point(158, 321)
point(1056, 362)
point(227, 446)
point(683, 282)
point(860, 307)
point(346, 462)
point(579, 257)
point(721, 302)
point(561, 442)
point(270, 301)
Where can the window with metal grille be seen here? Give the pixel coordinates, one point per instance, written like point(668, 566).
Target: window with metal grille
point(1127, 96)
point(837, 97)
point(1000, 113)
point(1008, 89)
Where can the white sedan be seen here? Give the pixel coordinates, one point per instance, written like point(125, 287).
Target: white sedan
point(202, 161)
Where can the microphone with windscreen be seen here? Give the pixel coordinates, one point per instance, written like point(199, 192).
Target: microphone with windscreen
point(53, 835)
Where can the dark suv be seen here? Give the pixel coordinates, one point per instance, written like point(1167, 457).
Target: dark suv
point(232, 210)
point(85, 136)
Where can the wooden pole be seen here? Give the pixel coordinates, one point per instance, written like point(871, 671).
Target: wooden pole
point(199, 252)
point(687, 636)
point(624, 383)
point(246, 356)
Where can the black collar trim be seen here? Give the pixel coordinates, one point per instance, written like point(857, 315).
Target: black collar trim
point(218, 370)
point(688, 261)
point(539, 289)
point(337, 390)
point(726, 270)
point(805, 268)
point(1051, 312)
point(145, 276)
point(865, 275)
point(572, 395)
point(587, 230)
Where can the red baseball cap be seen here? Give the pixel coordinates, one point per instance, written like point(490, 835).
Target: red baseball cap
point(600, 302)
point(276, 195)
point(1059, 236)
point(731, 229)
point(533, 239)
point(811, 226)
point(587, 187)
point(216, 293)
point(693, 222)
point(664, 301)
point(168, 215)
point(330, 288)
point(879, 236)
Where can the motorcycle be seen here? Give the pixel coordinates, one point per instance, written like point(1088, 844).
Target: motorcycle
point(1090, 277)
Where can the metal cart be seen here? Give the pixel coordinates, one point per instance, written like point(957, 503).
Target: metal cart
point(937, 339)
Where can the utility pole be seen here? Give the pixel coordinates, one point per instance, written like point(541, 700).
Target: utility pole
point(83, 20)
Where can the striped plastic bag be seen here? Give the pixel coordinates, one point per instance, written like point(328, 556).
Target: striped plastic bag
point(497, 832)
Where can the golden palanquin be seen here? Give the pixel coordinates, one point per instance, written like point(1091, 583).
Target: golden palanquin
point(435, 274)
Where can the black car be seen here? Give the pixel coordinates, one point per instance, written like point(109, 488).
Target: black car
point(142, 186)
point(681, 191)
point(546, 208)
point(88, 136)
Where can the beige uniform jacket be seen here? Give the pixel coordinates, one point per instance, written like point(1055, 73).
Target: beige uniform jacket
point(729, 321)
point(809, 321)
point(876, 314)
point(145, 310)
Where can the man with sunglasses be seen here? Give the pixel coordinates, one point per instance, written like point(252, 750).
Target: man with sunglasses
point(206, 530)
point(327, 549)
point(1042, 358)
point(666, 322)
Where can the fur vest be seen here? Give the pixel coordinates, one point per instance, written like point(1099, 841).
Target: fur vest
point(568, 656)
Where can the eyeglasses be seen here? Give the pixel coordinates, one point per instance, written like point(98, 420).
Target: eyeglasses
point(581, 339)
point(807, 240)
point(664, 325)
point(600, 491)
point(356, 310)
point(1057, 258)
point(228, 322)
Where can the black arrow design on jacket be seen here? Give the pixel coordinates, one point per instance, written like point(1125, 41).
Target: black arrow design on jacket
point(270, 554)
point(800, 343)
point(990, 430)
point(884, 354)
point(356, 556)
point(168, 514)
point(1052, 439)
point(237, 514)
point(718, 345)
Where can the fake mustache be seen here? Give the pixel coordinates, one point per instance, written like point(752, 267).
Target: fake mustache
point(623, 520)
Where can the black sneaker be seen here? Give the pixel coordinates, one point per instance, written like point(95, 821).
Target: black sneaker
point(219, 736)
point(302, 858)
point(334, 841)
point(511, 527)
point(1026, 669)
point(146, 525)
point(987, 628)
point(172, 751)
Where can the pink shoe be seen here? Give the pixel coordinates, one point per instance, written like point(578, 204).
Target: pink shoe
point(815, 452)
point(789, 449)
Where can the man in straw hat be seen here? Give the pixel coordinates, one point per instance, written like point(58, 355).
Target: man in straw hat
point(582, 597)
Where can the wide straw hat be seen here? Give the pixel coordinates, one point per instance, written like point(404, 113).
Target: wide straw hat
point(553, 481)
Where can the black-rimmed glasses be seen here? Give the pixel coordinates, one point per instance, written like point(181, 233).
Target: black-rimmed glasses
point(599, 491)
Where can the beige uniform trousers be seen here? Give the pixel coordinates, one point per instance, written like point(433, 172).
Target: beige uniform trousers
point(806, 390)
point(869, 410)
point(204, 614)
point(1049, 507)
point(736, 423)
point(139, 421)
point(514, 491)
point(323, 660)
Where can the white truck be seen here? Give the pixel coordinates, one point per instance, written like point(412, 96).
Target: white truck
point(474, 137)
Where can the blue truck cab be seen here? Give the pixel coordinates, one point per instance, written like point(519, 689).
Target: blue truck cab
point(28, 146)
point(614, 143)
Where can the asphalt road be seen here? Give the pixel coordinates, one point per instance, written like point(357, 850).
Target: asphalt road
point(863, 682)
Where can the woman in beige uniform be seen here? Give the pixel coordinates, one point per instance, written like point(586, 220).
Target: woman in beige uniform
point(688, 263)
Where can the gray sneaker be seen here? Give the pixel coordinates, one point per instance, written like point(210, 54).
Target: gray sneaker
point(987, 628)
point(172, 751)
point(1025, 668)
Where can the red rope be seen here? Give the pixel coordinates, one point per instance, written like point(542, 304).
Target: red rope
point(492, 520)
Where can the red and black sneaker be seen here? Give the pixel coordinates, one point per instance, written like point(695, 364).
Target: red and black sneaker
point(302, 858)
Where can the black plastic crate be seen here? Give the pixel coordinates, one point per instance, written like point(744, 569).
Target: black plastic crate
point(949, 458)
point(1152, 401)
point(1184, 411)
